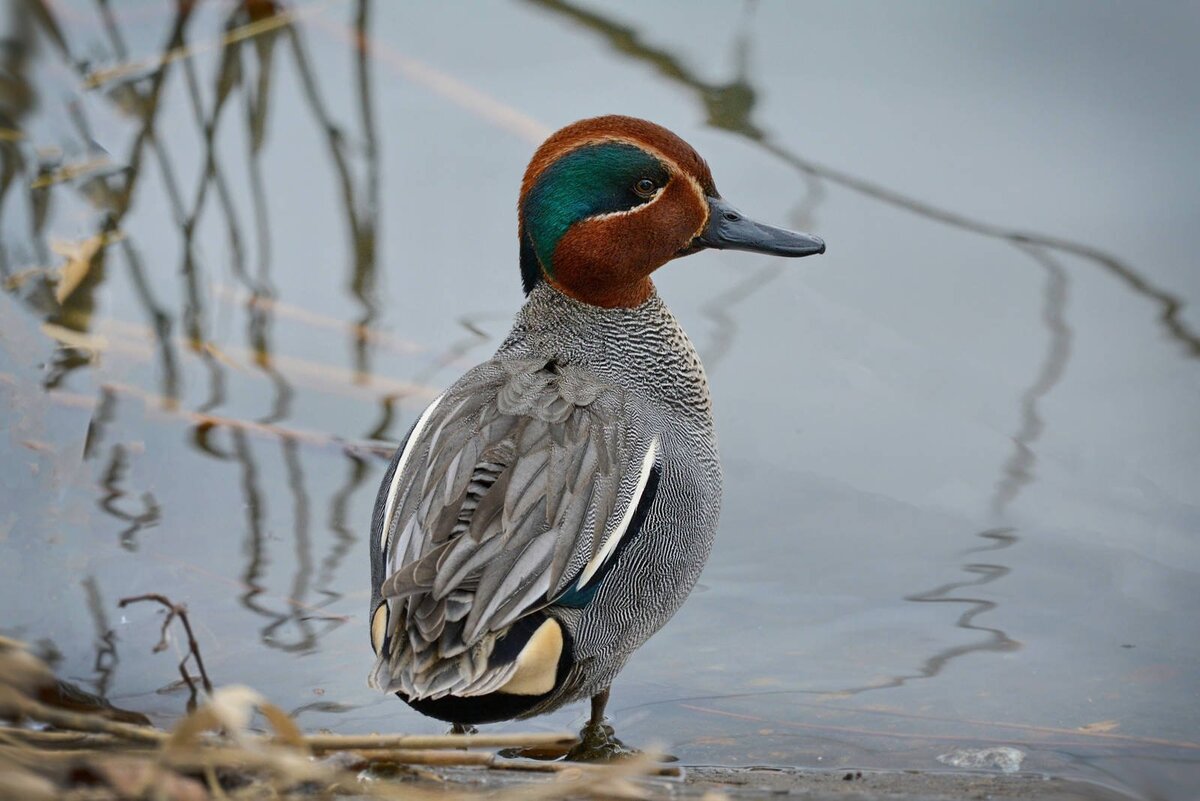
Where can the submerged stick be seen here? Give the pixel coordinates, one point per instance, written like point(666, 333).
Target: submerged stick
point(643, 767)
point(58, 740)
point(491, 761)
point(11, 701)
point(353, 742)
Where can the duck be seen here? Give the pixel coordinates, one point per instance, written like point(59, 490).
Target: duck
point(554, 507)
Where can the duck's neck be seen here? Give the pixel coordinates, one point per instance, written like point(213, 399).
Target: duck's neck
point(553, 318)
point(641, 348)
point(607, 295)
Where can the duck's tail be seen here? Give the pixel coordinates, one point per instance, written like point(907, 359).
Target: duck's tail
point(524, 659)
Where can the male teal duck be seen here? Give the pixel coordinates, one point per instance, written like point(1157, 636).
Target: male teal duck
point(554, 507)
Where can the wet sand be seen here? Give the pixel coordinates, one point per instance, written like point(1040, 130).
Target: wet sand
point(899, 785)
point(710, 782)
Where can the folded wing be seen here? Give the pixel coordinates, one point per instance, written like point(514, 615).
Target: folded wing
point(513, 490)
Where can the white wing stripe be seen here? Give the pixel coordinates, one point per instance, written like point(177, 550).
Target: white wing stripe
point(389, 507)
point(615, 536)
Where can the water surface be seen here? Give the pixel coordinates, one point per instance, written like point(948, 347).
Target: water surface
point(239, 246)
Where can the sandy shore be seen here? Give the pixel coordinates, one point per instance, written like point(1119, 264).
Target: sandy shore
point(741, 783)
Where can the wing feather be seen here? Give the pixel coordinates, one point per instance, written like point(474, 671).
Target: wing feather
point(509, 487)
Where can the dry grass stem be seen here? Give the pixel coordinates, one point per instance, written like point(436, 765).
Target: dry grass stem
point(22, 706)
point(351, 742)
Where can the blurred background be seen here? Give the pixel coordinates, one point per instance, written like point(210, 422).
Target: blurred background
point(242, 244)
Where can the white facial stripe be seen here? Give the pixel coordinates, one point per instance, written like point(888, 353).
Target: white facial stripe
point(615, 536)
point(389, 506)
point(626, 212)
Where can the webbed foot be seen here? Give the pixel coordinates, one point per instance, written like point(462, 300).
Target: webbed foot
point(598, 743)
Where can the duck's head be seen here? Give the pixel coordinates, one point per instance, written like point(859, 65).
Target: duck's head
point(607, 201)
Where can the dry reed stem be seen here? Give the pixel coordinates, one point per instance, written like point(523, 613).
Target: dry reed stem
point(351, 742)
point(10, 700)
point(67, 740)
point(486, 759)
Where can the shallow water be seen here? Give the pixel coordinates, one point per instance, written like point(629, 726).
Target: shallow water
point(961, 448)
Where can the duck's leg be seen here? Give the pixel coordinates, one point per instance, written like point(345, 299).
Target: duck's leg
point(463, 728)
point(597, 742)
point(599, 701)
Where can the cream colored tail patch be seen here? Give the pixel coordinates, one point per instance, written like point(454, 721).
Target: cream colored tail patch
point(379, 626)
point(537, 664)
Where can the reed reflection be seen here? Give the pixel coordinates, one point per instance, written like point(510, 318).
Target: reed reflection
point(240, 94)
point(341, 523)
point(113, 476)
point(1018, 470)
point(105, 663)
point(729, 106)
point(18, 159)
point(993, 640)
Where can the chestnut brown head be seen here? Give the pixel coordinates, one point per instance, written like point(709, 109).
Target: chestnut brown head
point(607, 201)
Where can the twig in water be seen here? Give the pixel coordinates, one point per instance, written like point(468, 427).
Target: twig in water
point(175, 610)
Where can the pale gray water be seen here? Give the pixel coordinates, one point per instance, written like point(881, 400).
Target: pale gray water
point(961, 499)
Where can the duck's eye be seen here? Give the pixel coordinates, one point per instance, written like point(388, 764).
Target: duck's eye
point(645, 187)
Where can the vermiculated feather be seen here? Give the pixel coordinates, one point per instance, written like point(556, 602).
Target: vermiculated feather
point(522, 468)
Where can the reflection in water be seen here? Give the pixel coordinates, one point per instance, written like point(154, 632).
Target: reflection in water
point(1170, 306)
point(728, 105)
point(114, 474)
point(341, 525)
point(1018, 470)
point(363, 221)
point(359, 204)
point(244, 73)
point(238, 96)
point(339, 518)
point(257, 555)
point(304, 562)
point(102, 417)
point(231, 75)
point(118, 467)
point(253, 544)
point(717, 308)
point(212, 174)
point(995, 639)
point(326, 707)
point(105, 663)
point(160, 320)
point(17, 98)
point(457, 350)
